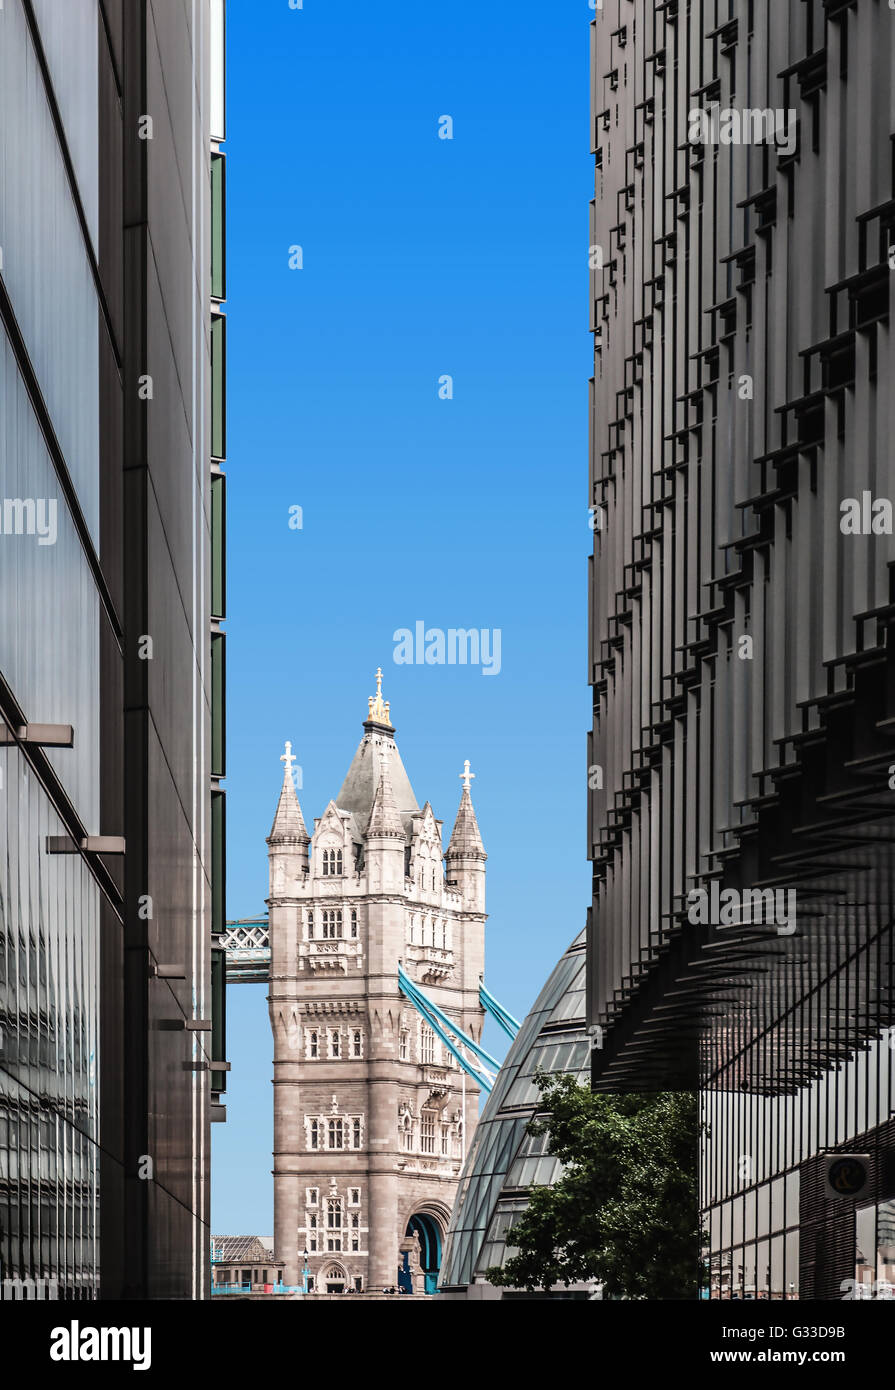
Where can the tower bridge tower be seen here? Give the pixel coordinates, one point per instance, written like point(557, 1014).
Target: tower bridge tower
point(372, 1116)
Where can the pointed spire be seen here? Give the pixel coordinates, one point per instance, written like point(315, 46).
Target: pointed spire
point(466, 840)
point(288, 823)
point(385, 818)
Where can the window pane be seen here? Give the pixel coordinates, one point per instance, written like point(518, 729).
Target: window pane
point(218, 704)
point(885, 1243)
point(218, 862)
point(218, 386)
point(865, 1245)
point(218, 224)
point(218, 1016)
point(218, 547)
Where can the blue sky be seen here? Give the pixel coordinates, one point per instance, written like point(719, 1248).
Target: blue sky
point(421, 257)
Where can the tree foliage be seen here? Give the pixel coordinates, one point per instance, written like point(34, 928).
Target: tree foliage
point(624, 1212)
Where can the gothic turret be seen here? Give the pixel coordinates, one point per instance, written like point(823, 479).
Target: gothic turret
point(385, 837)
point(288, 835)
point(385, 818)
point(466, 855)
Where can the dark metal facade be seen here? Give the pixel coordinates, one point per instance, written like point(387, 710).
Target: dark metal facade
point(740, 642)
point(105, 846)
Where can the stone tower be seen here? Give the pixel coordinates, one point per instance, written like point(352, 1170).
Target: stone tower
point(372, 1116)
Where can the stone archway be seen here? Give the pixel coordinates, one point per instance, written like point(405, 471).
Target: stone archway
point(333, 1279)
point(426, 1231)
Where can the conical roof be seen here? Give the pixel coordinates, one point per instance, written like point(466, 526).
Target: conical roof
point(466, 840)
point(362, 779)
point(288, 823)
point(377, 748)
point(385, 817)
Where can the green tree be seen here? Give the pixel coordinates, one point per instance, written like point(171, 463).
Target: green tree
point(624, 1212)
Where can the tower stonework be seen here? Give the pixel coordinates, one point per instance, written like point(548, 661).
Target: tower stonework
point(372, 1115)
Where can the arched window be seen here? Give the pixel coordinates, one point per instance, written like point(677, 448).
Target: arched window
point(335, 1043)
point(334, 1223)
point(334, 1280)
point(336, 1134)
point(332, 863)
point(315, 1134)
point(354, 922)
point(427, 1044)
point(314, 1048)
point(332, 924)
point(404, 1045)
point(427, 1131)
point(358, 1043)
point(407, 1134)
point(355, 1134)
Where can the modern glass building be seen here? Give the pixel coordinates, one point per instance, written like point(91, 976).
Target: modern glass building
point(742, 755)
point(504, 1162)
point(111, 695)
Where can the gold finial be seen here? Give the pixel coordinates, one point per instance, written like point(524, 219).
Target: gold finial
point(379, 709)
